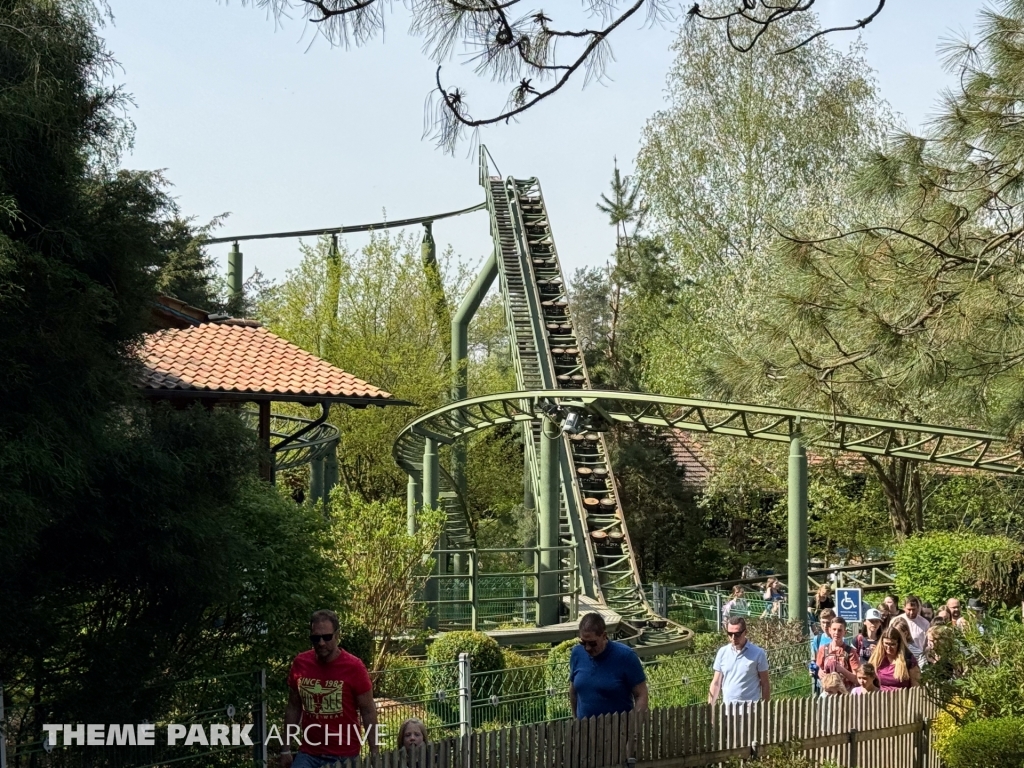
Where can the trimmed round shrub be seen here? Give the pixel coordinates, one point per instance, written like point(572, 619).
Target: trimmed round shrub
point(484, 654)
point(443, 674)
point(994, 743)
point(355, 638)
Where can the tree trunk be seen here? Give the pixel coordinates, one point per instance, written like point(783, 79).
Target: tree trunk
point(902, 487)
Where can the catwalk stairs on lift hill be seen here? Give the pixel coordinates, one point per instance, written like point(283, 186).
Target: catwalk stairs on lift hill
point(546, 355)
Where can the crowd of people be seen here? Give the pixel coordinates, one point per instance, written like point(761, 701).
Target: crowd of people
point(894, 642)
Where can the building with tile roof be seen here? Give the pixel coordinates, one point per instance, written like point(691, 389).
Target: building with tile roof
point(196, 356)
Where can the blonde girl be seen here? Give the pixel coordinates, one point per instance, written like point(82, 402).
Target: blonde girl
point(412, 734)
point(832, 684)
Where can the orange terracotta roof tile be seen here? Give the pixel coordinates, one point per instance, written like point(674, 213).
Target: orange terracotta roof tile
point(242, 359)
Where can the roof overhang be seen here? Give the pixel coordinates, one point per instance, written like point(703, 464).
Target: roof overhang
point(276, 397)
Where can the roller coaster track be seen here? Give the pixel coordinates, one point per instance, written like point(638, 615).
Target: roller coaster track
point(962, 448)
point(550, 370)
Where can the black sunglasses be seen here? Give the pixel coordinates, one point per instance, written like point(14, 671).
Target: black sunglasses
point(736, 634)
point(589, 643)
point(315, 639)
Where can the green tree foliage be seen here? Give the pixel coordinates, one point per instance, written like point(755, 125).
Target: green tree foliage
point(747, 142)
point(371, 313)
point(374, 313)
point(382, 563)
point(135, 543)
point(911, 312)
point(667, 528)
point(933, 565)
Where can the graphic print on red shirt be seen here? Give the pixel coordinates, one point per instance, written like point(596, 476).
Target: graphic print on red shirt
point(330, 717)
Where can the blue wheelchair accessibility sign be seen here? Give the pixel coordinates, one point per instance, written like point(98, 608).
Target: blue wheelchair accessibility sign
point(849, 604)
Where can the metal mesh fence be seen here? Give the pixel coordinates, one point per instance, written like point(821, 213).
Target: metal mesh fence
point(413, 688)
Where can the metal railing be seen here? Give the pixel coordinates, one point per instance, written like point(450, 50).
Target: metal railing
point(453, 698)
point(485, 599)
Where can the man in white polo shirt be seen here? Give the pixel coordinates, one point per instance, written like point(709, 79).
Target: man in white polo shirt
point(741, 668)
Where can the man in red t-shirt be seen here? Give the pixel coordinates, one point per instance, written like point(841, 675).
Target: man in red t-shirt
point(330, 691)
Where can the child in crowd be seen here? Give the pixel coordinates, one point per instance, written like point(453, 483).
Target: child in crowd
point(867, 679)
point(737, 605)
point(832, 684)
point(817, 641)
point(869, 635)
point(412, 734)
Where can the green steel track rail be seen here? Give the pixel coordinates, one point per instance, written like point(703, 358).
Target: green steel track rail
point(947, 446)
point(313, 444)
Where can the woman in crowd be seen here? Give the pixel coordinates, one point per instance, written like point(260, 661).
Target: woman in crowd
point(737, 605)
point(870, 632)
point(894, 664)
point(867, 680)
point(773, 594)
point(823, 599)
point(927, 612)
point(916, 650)
point(893, 604)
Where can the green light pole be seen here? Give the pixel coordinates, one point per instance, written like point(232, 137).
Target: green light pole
point(797, 581)
point(550, 482)
point(430, 491)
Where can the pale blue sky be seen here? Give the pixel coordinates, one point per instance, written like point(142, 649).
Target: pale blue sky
point(252, 119)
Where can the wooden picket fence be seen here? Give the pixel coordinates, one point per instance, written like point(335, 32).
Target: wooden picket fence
point(882, 730)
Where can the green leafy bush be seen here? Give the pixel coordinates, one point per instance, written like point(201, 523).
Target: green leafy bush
point(523, 674)
point(995, 743)
point(398, 677)
point(932, 565)
point(557, 679)
point(355, 638)
point(443, 674)
point(993, 671)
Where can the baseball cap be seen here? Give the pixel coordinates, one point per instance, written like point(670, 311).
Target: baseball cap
point(872, 614)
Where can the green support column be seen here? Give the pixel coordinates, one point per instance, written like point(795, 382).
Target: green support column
point(460, 359)
point(550, 481)
point(430, 491)
point(529, 499)
point(316, 480)
point(413, 504)
point(330, 470)
point(797, 582)
point(235, 278)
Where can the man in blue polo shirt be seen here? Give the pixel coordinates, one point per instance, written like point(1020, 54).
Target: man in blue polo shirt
point(604, 676)
point(741, 668)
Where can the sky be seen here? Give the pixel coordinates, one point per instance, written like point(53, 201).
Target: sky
point(265, 121)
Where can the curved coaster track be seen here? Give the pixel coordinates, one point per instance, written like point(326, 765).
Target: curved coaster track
point(871, 437)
